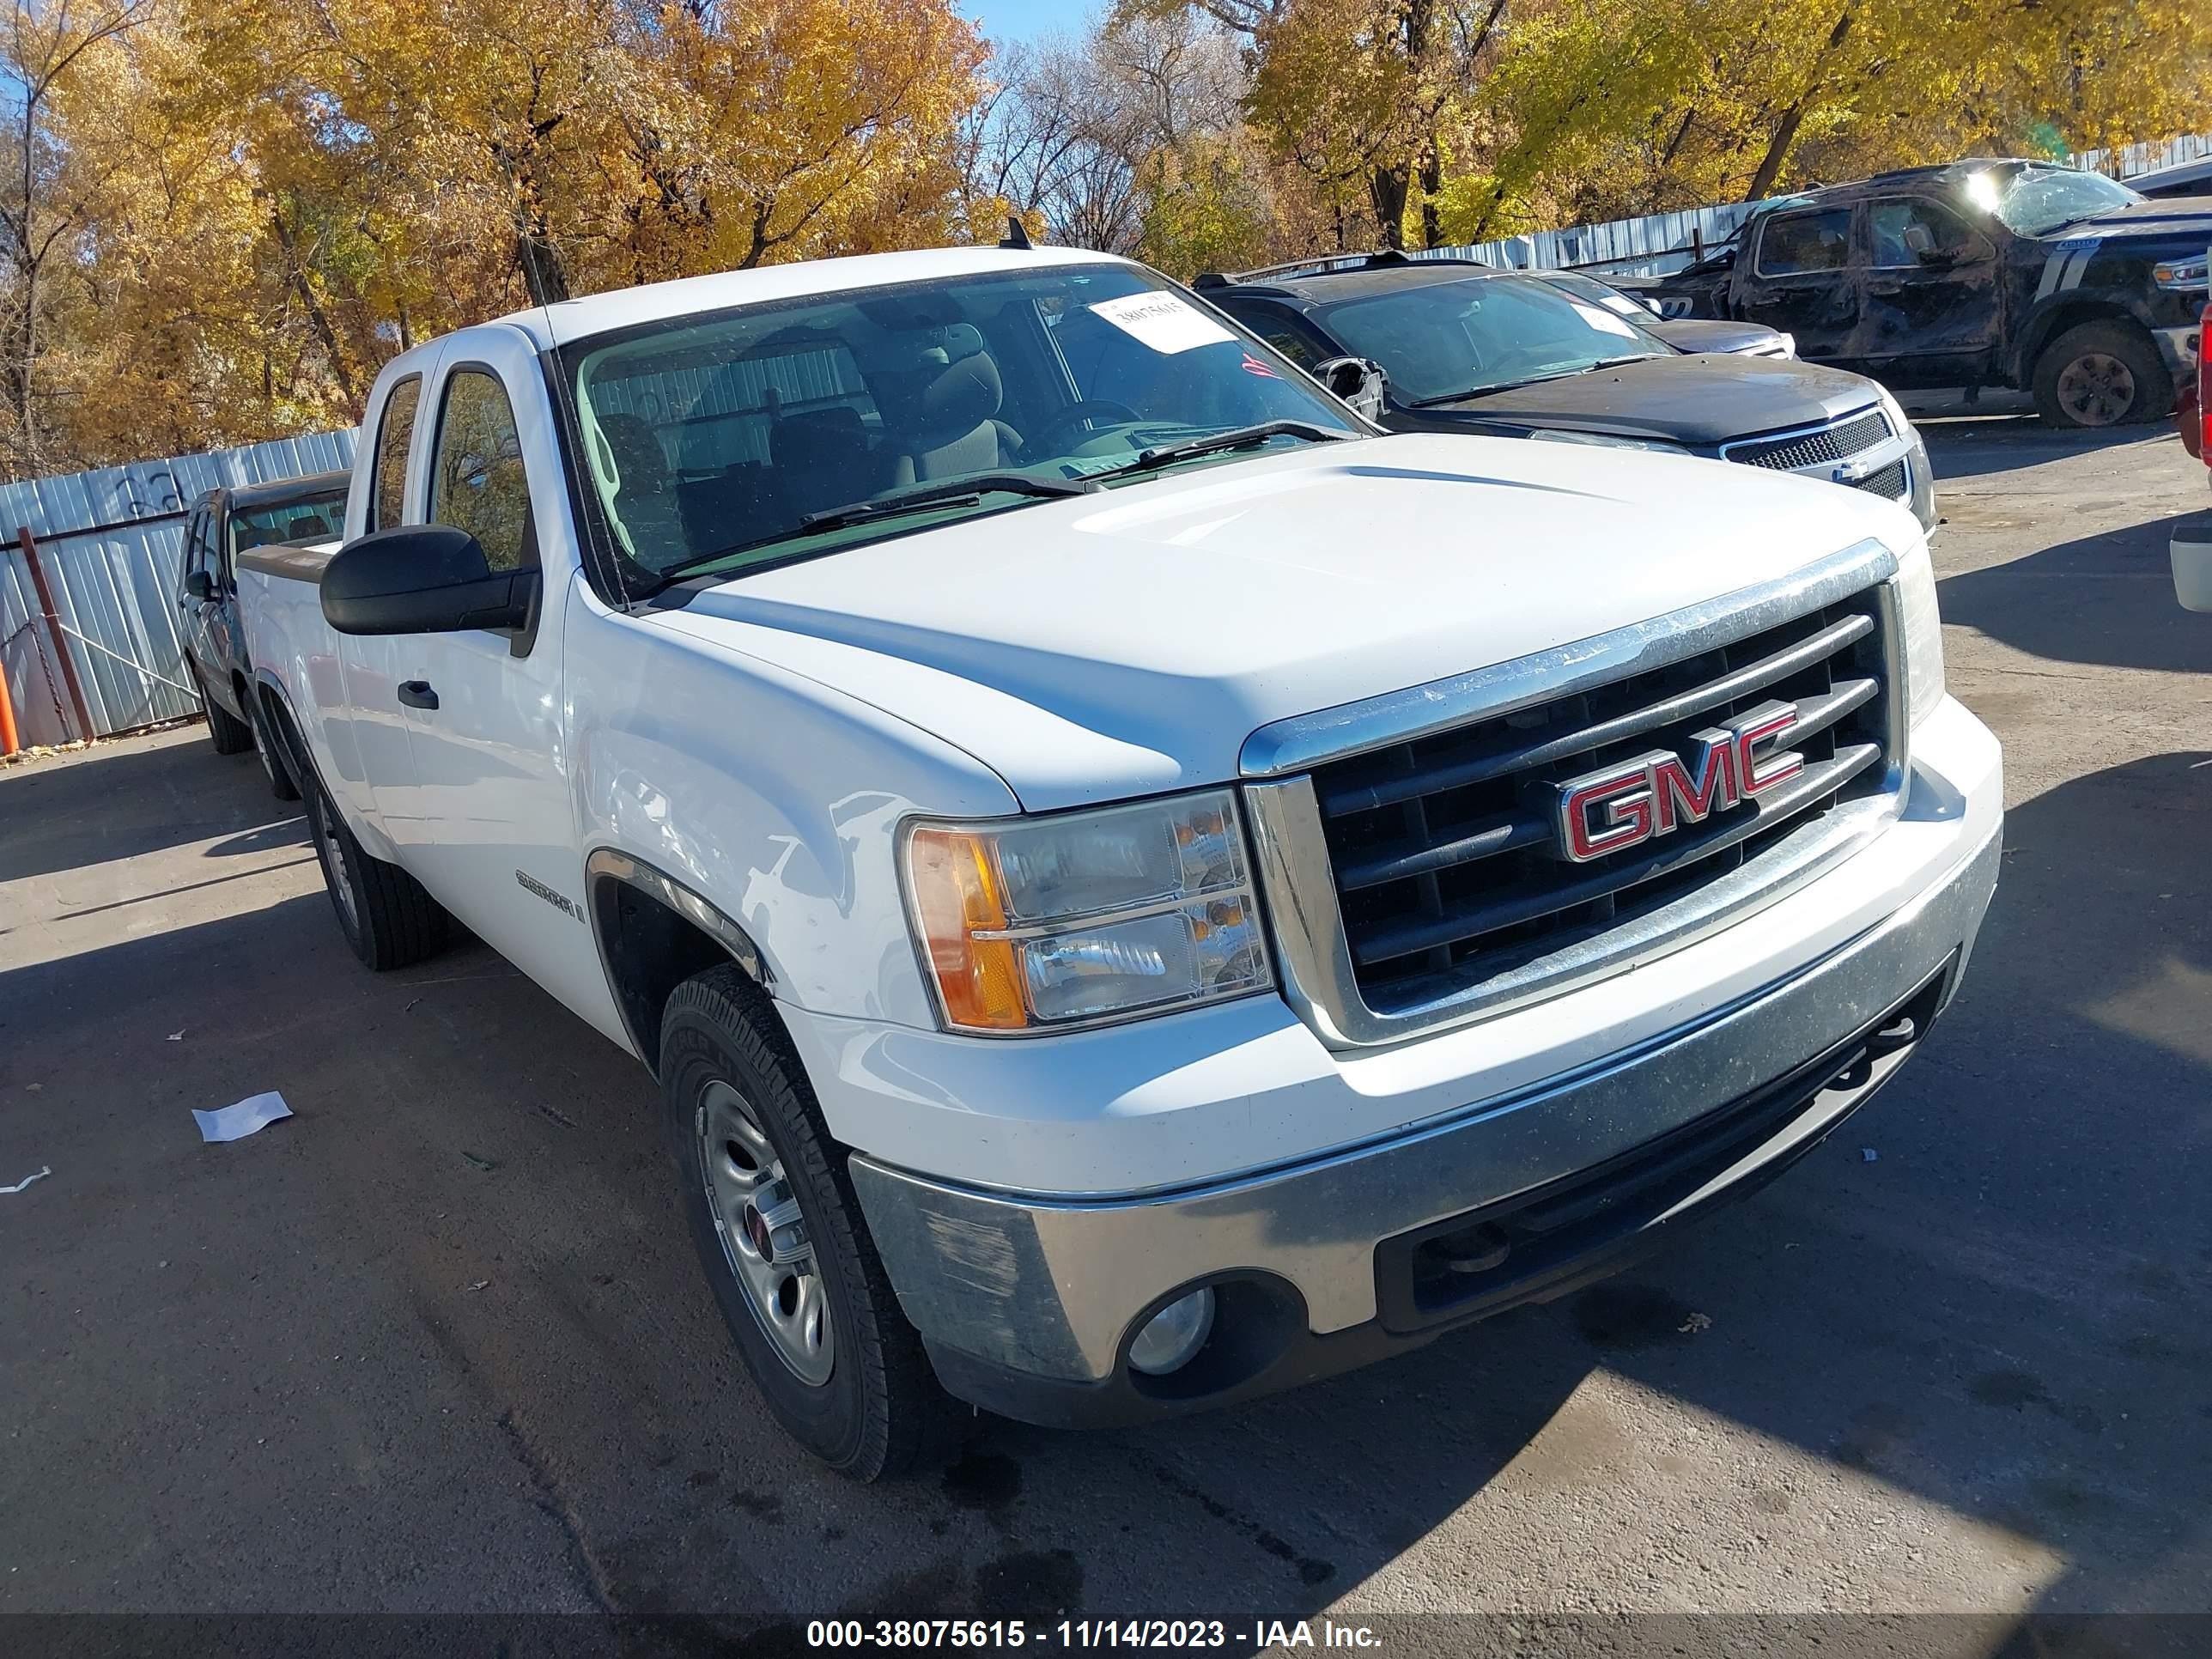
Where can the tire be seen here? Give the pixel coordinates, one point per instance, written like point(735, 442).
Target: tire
point(230, 734)
point(273, 760)
point(2102, 374)
point(870, 1407)
point(384, 913)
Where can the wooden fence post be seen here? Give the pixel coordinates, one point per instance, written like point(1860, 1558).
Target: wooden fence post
point(30, 546)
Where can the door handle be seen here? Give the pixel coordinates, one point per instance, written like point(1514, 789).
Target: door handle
point(417, 694)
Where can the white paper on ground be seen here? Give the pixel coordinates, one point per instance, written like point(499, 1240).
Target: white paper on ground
point(236, 1122)
point(1162, 321)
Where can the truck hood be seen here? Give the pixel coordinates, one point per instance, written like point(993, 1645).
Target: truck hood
point(2188, 217)
point(1127, 642)
point(1697, 400)
point(1686, 335)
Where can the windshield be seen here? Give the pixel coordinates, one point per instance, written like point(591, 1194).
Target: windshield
point(314, 520)
point(728, 442)
point(1441, 340)
point(1599, 294)
point(2038, 200)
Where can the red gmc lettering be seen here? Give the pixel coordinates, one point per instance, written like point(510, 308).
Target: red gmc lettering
point(1625, 799)
point(1657, 792)
point(1757, 773)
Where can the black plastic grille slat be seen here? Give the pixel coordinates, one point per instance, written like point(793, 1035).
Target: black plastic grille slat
point(1838, 442)
point(1445, 847)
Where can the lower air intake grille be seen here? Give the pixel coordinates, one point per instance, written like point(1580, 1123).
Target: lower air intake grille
point(1447, 850)
point(1889, 483)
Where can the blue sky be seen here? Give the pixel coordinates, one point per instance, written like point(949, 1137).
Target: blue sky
point(1025, 20)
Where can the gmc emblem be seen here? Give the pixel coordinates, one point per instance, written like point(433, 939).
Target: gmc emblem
point(1601, 812)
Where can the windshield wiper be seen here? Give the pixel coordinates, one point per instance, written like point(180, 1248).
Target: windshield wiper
point(1215, 443)
point(921, 498)
point(1536, 379)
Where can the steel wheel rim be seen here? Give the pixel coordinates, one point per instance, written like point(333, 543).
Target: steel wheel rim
point(764, 1238)
point(2097, 389)
point(334, 863)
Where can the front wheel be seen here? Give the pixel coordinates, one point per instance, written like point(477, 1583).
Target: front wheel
point(2102, 375)
point(779, 1233)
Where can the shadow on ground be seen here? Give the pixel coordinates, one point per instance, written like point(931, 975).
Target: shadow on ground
point(438, 1341)
point(2105, 601)
point(1970, 446)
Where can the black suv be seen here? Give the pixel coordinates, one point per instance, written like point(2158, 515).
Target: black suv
point(1985, 273)
point(1467, 348)
point(222, 525)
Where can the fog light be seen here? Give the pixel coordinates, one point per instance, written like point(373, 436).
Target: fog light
point(1174, 1335)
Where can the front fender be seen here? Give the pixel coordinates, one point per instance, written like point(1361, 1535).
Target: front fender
point(775, 799)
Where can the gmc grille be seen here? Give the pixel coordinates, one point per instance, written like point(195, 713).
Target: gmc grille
point(1445, 849)
point(1841, 442)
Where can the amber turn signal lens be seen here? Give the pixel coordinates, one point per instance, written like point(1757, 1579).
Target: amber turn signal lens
point(957, 894)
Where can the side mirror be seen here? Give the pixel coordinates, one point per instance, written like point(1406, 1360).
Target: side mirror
point(1357, 381)
point(199, 584)
point(422, 579)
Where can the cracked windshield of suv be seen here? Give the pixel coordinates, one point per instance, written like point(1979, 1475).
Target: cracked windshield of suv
point(723, 442)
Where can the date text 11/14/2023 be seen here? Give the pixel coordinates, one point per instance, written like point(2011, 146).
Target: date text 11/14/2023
point(1269, 1634)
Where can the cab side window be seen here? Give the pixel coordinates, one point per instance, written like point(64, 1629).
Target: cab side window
point(385, 502)
point(477, 481)
point(1910, 233)
point(195, 547)
point(1275, 326)
point(1791, 244)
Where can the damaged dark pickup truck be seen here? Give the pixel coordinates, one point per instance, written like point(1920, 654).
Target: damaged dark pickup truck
point(1980, 273)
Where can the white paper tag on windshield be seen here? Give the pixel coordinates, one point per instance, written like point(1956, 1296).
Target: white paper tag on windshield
point(1162, 321)
point(1598, 317)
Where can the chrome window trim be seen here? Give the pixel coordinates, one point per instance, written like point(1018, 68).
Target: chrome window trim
point(1297, 882)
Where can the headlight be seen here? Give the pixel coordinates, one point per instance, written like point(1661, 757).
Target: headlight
point(1606, 438)
point(1029, 924)
point(2183, 276)
point(1923, 631)
point(1899, 422)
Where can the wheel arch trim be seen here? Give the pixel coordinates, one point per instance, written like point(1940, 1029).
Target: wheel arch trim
point(608, 868)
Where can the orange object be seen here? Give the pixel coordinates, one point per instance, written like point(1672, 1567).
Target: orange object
point(9, 740)
point(956, 888)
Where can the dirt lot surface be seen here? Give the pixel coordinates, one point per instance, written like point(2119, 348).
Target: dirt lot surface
point(439, 1343)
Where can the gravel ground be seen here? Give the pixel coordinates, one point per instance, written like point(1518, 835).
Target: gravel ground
point(437, 1345)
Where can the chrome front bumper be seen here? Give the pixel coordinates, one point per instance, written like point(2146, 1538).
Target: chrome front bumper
point(1028, 1304)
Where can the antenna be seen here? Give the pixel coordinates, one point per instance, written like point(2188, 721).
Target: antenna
point(1018, 236)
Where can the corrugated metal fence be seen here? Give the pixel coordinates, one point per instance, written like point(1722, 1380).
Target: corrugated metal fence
point(108, 544)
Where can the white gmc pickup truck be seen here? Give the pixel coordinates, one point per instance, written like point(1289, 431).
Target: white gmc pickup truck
point(1138, 889)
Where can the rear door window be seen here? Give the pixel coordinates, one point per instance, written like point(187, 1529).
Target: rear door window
point(1793, 244)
